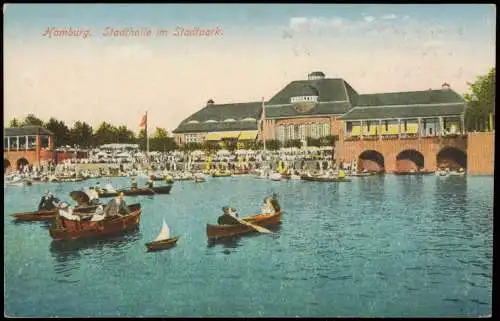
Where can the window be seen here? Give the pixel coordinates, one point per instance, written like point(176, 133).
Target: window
point(193, 122)
point(349, 127)
point(229, 120)
point(425, 124)
point(210, 121)
point(406, 125)
point(368, 125)
point(191, 138)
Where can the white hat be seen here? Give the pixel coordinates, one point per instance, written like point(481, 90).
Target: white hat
point(63, 205)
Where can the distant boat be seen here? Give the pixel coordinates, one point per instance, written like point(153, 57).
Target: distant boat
point(163, 240)
point(275, 177)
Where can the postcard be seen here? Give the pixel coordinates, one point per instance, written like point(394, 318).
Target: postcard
point(248, 160)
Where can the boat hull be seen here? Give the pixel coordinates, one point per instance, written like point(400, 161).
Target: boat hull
point(414, 173)
point(139, 191)
point(325, 179)
point(39, 216)
point(222, 175)
point(92, 230)
point(216, 232)
point(162, 245)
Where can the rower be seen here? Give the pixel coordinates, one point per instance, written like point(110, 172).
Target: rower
point(150, 183)
point(48, 202)
point(93, 196)
point(228, 217)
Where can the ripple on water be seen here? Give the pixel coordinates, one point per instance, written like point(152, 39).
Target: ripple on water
point(342, 249)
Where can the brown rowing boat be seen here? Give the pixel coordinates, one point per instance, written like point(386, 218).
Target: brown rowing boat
point(86, 229)
point(48, 215)
point(162, 245)
point(215, 232)
point(139, 191)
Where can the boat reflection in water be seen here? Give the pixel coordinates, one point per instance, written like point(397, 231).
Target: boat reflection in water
point(67, 255)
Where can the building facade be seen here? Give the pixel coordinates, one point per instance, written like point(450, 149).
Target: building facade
point(27, 146)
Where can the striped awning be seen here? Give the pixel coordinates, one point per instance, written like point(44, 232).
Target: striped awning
point(213, 136)
point(248, 135)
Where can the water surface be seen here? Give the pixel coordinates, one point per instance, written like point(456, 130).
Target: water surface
point(378, 246)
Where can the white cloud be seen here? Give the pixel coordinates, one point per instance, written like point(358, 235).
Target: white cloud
point(389, 17)
point(369, 18)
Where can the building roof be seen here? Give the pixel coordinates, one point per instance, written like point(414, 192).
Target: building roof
point(398, 111)
point(237, 116)
point(431, 96)
point(26, 130)
point(329, 90)
point(320, 109)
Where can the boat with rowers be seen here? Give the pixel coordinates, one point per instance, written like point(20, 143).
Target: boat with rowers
point(67, 229)
point(230, 225)
point(163, 241)
point(329, 177)
point(222, 174)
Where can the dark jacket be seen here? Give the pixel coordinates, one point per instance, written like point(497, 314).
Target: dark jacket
point(47, 204)
point(226, 219)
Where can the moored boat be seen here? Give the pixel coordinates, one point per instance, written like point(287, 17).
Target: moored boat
point(73, 230)
point(222, 174)
point(138, 191)
point(413, 172)
point(215, 232)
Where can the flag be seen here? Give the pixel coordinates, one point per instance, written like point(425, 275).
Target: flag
point(144, 120)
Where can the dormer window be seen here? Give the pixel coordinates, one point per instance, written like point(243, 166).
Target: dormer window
point(193, 122)
point(249, 119)
point(298, 99)
point(229, 120)
point(210, 121)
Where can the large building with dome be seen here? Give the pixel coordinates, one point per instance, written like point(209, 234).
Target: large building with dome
point(319, 106)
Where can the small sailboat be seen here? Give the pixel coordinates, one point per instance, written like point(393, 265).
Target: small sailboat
point(163, 240)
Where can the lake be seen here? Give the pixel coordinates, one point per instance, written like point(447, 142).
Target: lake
point(377, 246)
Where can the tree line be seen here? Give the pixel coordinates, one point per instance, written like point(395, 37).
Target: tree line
point(82, 135)
point(480, 113)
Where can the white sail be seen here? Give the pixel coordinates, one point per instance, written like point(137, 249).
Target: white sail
point(164, 234)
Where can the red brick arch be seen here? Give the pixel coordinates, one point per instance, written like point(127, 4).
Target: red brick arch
point(371, 160)
point(6, 164)
point(451, 157)
point(410, 159)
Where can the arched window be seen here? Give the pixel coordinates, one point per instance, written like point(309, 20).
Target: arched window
point(210, 121)
point(193, 122)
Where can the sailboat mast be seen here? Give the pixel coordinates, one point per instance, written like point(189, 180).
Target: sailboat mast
point(263, 123)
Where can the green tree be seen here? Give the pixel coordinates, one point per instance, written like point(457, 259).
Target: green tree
point(105, 134)
point(293, 143)
point(61, 132)
point(31, 120)
point(81, 134)
point(124, 135)
point(481, 102)
point(14, 123)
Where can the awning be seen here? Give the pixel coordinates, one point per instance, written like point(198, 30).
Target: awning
point(213, 136)
point(248, 135)
point(229, 134)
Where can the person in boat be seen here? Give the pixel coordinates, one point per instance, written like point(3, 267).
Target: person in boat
point(228, 217)
point(341, 173)
point(150, 183)
point(48, 202)
point(66, 212)
point(93, 196)
point(271, 205)
point(98, 188)
point(133, 184)
point(117, 207)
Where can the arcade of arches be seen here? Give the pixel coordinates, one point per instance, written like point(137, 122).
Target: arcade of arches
point(6, 165)
point(411, 159)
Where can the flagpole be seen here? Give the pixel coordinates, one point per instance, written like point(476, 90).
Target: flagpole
point(147, 137)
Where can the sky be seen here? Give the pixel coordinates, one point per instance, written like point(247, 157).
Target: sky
point(257, 50)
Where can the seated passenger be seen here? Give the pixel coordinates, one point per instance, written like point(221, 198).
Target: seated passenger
point(150, 183)
point(133, 184)
point(117, 207)
point(48, 202)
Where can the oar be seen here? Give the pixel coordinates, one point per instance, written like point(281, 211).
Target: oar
point(255, 227)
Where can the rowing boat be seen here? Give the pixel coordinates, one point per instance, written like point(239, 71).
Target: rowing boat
point(413, 172)
point(48, 215)
point(324, 179)
point(138, 191)
point(86, 229)
point(162, 245)
point(227, 174)
point(215, 232)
